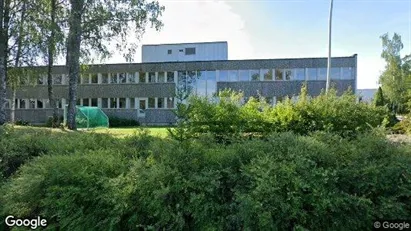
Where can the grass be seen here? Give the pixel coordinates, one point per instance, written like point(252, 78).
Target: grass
point(123, 132)
point(116, 132)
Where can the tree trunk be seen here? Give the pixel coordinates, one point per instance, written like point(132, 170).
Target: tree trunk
point(17, 64)
point(73, 58)
point(13, 106)
point(4, 20)
point(51, 49)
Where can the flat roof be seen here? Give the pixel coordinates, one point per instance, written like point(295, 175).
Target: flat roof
point(191, 43)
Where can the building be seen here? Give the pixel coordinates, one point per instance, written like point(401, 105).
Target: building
point(366, 95)
point(146, 91)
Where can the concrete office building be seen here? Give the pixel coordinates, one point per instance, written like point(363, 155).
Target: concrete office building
point(146, 91)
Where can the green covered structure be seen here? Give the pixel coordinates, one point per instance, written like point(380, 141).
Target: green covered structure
point(89, 117)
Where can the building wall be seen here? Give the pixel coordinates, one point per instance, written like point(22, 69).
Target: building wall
point(203, 52)
point(366, 95)
point(121, 87)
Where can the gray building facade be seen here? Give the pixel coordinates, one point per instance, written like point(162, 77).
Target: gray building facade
point(146, 91)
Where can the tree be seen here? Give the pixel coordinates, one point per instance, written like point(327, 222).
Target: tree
point(95, 25)
point(4, 20)
point(379, 98)
point(395, 78)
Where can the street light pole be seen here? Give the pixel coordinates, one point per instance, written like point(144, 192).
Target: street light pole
point(327, 87)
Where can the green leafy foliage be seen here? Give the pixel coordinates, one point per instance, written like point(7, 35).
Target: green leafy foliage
point(229, 118)
point(284, 182)
point(379, 98)
point(116, 122)
point(396, 78)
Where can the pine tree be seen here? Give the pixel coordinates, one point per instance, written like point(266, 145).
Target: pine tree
point(379, 98)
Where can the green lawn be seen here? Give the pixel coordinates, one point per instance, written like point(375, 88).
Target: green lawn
point(116, 132)
point(123, 132)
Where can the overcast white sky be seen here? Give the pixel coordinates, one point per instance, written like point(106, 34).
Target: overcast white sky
point(287, 29)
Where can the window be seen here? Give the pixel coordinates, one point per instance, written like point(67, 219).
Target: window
point(191, 51)
point(143, 104)
point(347, 73)
point(211, 83)
point(322, 74)
point(223, 76)
point(299, 74)
point(78, 102)
point(170, 77)
point(279, 74)
point(132, 103)
point(22, 103)
point(170, 102)
point(141, 77)
point(232, 76)
point(288, 74)
point(32, 103)
point(7, 104)
point(57, 80)
point(131, 78)
point(113, 78)
point(151, 77)
point(151, 103)
point(94, 78)
point(113, 102)
point(122, 78)
point(122, 102)
point(243, 75)
point(181, 50)
point(169, 52)
point(41, 80)
point(94, 102)
point(161, 77)
point(39, 103)
point(267, 74)
point(80, 79)
point(255, 75)
point(104, 78)
point(201, 84)
point(335, 73)
point(104, 103)
point(160, 102)
point(85, 102)
point(311, 73)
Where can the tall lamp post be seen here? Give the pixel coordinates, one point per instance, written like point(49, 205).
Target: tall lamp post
point(327, 87)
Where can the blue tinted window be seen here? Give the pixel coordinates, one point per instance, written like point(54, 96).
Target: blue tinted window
point(223, 76)
point(244, 75)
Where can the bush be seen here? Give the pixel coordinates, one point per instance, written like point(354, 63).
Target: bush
point(22, 123)
point(284, 182)
point(72, 192)
point(116, 122)
point(49, 122)
point(229, 118)
point(19, 145)
point(402, 127)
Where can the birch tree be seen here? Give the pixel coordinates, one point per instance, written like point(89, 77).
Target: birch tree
point(98, 25)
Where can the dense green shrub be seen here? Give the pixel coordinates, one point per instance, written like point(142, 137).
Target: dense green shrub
point(19, 145)
point(116, 122)
point(73, 192)
point(317, 182)
point(228, 118)
point(49, 122)
point(403, 127)
point(22, 123)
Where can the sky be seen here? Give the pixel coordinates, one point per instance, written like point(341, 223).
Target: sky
point(257, 29)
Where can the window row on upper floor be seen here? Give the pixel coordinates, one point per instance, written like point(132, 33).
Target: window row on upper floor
point(337, 73)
